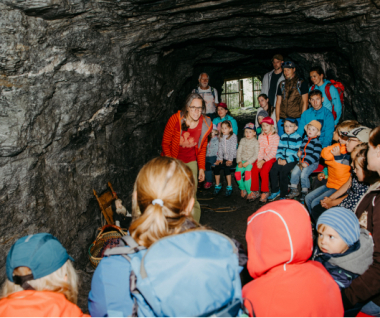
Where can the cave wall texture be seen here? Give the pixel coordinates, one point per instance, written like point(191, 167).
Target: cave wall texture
point(84, 89)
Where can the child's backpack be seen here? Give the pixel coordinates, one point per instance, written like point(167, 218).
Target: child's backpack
point(340, 87)
point(190, 274)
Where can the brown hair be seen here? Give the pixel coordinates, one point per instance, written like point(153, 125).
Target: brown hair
point(228, 123)
point(374, 137)
point(185, 109)
point(171, 181)
point(347, 125)
point(360, 159)
point(321, 227)
point(315, 92)
point(270, 106)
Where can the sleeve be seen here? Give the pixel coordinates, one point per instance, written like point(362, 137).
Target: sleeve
point(168, 136)
point(280, 149)
point(326, 153)
point(216, 96)
point(234, 126)
point(304, 88)
point(240, 150)
point(295, 147)
point(261, 149)
point(232, 148)
point(273, 144)
point(336, 102)
point(201, 156)
point(329, 127)
point(317, 151)
point(256, 153)
point(220, 150)
point(301, 124)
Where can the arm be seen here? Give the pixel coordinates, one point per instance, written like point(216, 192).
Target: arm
point(294, 148)
point(315, 155)
point(329, 128)
point(167, 138)
point(265, 87)
point(342, 190)
point(240, 150)
point(256, 121)
point(305, 100)
point(278, 103)
point(326, 153)
point(261, 148)
point(256, 153)
point(273, 144)
point(336, 102)
point(216, 99)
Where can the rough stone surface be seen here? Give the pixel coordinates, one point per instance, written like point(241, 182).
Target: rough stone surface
point(84, 89)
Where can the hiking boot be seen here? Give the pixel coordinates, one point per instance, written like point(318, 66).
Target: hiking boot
point(274, 196)
point(208, 185)
point(253, 196)
point(294, 192)
point(228, 191)
point(264, 197)
point(302, 198)
point(217, 188)
point(243, 193)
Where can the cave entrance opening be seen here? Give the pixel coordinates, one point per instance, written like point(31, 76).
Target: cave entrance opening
point(241, 92)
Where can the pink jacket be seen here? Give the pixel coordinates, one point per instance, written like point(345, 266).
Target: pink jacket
point(268, 146)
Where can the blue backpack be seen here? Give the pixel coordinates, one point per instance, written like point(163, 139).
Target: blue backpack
point(190, 274)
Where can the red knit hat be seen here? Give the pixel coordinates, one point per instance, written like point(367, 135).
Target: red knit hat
point(223, 105)
point(267, 120)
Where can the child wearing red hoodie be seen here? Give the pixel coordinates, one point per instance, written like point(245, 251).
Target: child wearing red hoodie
point(286, 283)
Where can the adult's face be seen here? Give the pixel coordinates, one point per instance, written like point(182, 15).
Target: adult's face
point(289, 72)
point(316, 78)
point(316, 101)
point(373, 156)
point(203, 82)
point(276, 64)
point(263, 103)
point(195, 109)
point(222, 112)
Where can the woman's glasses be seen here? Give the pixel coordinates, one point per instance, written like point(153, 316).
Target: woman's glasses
point(195, 109)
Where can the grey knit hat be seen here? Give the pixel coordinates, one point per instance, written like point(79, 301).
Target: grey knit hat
point(262, 113)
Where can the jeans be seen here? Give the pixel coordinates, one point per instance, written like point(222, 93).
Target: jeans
point(279, 177)
point(280, 126)
point(371, 309)
point(304, 175)
point(210, 161)
point(313, 198)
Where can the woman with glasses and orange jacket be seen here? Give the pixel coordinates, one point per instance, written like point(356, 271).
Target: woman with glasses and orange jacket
point(185, 138)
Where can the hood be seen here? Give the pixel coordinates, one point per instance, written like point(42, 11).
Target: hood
point(278, 234)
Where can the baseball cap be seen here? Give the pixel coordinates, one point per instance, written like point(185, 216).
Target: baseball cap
point(292, 120)
point(288, 64)
point(223, 105)
point(362, 133)
point(42, 253)
point(278, 57)
point(268, 120)
point(250, 126)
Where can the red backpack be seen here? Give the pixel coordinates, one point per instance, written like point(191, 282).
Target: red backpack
point(340, 87)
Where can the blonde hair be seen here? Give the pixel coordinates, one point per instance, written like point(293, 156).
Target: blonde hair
point(64, 281)
point(347, 125)
point(171, 181)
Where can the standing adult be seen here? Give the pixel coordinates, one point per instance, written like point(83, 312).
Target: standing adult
point(224, 114)
point(334, 105)
point(185, 138)
point(272, 79)
point(267, 106)
point(292, 96)
point(209, 94)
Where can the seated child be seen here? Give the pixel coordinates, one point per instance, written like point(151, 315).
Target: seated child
point(212, 152)
point(226, 157)
point(260, 116)
point(309, 160)
point(286, 283)
point(286, 157)
point(268, 141)
point(246, 155)
point(41, 281)
point(343, 248)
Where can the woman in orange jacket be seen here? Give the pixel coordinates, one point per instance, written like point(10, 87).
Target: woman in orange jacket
point(185, 138)
point(41, 281)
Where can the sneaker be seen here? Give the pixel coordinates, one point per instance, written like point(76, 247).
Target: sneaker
point(208, 185)
point(228, 191)
point(274, 196)
point(217, 188)
point(302, 198)
point(243, 193)
point(264, 197)
point(294, 192)
point(253, 196)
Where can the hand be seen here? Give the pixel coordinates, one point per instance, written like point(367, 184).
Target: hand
point(281, 162)
point(218, 162)
point(299, 153)
point(260, 164)
point(201, 175)
point(304, 165)
point(240, 165)
point(245, 164)
point(327, 203)
point(336, 151)
point(229, 163)
point(321, 176)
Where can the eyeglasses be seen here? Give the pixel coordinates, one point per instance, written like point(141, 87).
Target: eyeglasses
point(343, 135)
point(197, 109)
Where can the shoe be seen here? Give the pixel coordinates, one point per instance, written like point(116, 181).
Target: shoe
point(274, 196)
point(302, 198)
point(264, 197)
point(294, 192)
point(217, 189)
point(253, 196)
point(228, 191)
point(207, 185)
point(243, 193)
point(282, 198)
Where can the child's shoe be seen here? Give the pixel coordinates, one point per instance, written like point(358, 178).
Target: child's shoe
point(217, 188)
point(208, 185)
point(294, 192)
point(228, 191)
point(274, 196)
point(253, 196)
point(243, 193)
point(264, 197)
point(302, 198)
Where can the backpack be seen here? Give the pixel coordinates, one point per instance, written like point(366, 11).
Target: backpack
point(190, 274)
point(340, 87)
point(212, 91)
point(299, 82)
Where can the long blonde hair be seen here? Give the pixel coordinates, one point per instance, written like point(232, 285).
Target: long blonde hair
point(64, 280)
point(171, 181)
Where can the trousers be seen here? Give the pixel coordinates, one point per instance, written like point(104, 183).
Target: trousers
point(264, 175)
point(246, 183)
point(279, 177)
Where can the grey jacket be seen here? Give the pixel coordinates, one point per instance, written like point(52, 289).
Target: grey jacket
point(227, 148)
point(248, 150)
point(266, 84)
point(212, 147)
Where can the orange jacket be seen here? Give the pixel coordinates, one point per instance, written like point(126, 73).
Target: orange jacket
point(172, 135)
point(338, 173)
point(31, 303)
point(286, 283)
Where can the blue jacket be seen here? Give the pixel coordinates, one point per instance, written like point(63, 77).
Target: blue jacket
point(335, 99)
point(325, 117)
point(218, 120)
point(288, 147)
point(311, 150)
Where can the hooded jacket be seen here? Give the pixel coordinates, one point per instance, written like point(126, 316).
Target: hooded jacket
point(31, 303)
point(172, 135)
point(286, 283)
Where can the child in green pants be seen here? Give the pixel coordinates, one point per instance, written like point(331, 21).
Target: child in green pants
point(246, 155)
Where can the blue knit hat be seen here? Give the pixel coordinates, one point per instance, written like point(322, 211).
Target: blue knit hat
point(343, 221)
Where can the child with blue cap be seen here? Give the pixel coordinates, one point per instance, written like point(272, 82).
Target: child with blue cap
point(343, 248)
point(41, 280)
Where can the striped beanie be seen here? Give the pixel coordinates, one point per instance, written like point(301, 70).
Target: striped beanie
point(344, 222)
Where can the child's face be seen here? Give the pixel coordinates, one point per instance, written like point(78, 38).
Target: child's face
point(358, 170)
point(329, 241)
point(267, 129)
point(312, 131)
point(373, 156)
point(289, 127)
point(226, 129)
point(316, 101)
point(260, 119)
point(249, 133)
point(342, 137)
point(214, 133)
point(352, 143)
